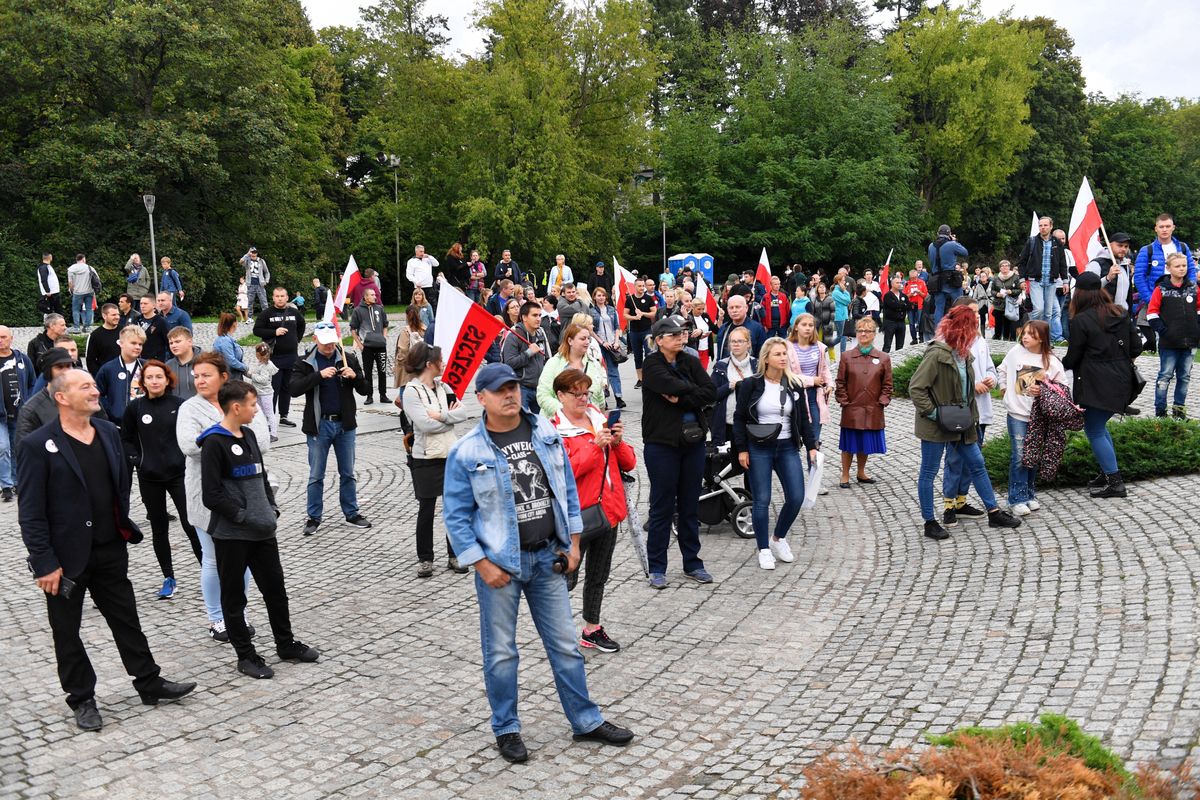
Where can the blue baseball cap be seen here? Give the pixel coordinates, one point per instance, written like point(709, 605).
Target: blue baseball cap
point(492, 376)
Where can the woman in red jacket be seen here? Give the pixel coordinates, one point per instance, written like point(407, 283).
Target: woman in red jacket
point(590, 442)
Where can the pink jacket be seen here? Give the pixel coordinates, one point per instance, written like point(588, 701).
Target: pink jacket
point(822, 372)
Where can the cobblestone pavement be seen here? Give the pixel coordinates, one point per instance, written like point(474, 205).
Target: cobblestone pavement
point(874, 634)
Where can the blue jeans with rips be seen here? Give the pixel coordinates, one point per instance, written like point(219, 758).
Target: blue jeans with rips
point(331, 434)
point(1177, 364)
point(972, 462)
point(1021, 480)
point(783, 459)
point(550, 606)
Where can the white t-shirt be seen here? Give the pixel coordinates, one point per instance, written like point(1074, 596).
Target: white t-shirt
point(775, 405)
point(871, 300)
point(1169, 248)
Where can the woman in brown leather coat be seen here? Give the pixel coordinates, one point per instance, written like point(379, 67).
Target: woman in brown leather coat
point(864, 388)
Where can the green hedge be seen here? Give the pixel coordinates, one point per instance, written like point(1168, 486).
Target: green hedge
point(1146, 448)
point(19, 288)
point(902, 373)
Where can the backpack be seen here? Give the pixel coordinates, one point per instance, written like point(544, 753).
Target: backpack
point(97, 286)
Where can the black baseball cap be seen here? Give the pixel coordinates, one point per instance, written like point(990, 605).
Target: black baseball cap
point(1120, 237)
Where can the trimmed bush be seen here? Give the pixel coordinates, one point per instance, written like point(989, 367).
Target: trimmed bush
point(1146, 448)
point(902, 373)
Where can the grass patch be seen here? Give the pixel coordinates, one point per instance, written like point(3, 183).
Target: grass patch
point(902, 373)
point(1146, 448)
point(1056, 734)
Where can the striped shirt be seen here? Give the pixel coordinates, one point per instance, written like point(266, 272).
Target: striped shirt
point(809, 357)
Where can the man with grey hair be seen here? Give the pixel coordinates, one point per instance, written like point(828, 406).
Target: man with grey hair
point(419, 272)
point(17, 377)
point(55, 325)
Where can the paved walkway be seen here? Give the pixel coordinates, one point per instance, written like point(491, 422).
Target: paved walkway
point(873, 634)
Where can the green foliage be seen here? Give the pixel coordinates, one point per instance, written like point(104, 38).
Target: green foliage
point(964, 83)
point(902, 373)
point(1146, 448)
point(1056, 734)
point(19, 289)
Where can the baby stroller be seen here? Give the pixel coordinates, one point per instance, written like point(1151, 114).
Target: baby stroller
point(720, 500)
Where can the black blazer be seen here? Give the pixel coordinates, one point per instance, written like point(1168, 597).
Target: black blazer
point(55, 523)
point(746, 412)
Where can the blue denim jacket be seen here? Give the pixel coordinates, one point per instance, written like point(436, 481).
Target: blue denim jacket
point(480, 512)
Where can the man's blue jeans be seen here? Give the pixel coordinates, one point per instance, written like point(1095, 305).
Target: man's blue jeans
point(8, 474)
point(914, 324)
point(1063, 319)
point(1095, 427)
point(638, 348)
point(529, 399)
point(782, 458)
point(1172, 363)
point(1021, 480)
point(330, 433)
point(550, 606)
point(81, 310)
point(972, 461)
point(943, 299)
point(1044, 297)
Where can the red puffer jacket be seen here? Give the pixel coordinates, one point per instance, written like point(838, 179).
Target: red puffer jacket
point(587, 462)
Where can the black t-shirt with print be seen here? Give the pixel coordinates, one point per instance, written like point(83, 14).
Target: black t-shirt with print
point(531, 488)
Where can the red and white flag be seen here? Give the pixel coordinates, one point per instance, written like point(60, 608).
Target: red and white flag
point(763, 275)
point(624, 287)
point(330, 313)
point(710, 307)
point(1083, 237)
point(464, 331)
point(1033, 226)
point(350, 279)
point(884, 273)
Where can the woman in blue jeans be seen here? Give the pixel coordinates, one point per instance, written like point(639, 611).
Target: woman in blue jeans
point(770, 426)
point(1103, 344)
point(943, 384)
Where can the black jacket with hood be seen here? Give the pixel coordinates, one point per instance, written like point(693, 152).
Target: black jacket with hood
point(1100, 354)
point(234, 486)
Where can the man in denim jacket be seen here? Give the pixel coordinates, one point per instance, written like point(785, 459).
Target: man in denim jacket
point(511, 509)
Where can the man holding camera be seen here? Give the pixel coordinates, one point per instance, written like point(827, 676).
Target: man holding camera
point(512, 510)
point(945, 280)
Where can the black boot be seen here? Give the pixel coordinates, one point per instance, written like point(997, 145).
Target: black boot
point(1114, 487)
point(1098, 482)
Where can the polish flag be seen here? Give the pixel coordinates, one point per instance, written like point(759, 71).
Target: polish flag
point(710, 306)
point(625, 279)
point(350, 279)
point(883, 273)
point(763, 275)
point(330, 314)
point(1083, 237)
point(1033, 226)
point(464, 331)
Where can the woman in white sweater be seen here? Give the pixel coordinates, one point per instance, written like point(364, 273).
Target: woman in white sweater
point(434, 411)
point(196, 415)
point(1029, 365)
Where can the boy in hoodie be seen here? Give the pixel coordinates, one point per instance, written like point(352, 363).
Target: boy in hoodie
point(1172, 314)
point(234, 488)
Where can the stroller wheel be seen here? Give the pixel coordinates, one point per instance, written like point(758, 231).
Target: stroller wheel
point(742, 519)
point(743, 494)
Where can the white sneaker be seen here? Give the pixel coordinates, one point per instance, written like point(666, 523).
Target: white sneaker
point(1020, 509)
point(766, 560)
point(823, 491)
point(782, 551)
point(1034, 505)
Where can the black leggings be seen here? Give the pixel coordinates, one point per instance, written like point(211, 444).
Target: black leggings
point(1006, 329)
point(598, 555)
point(154, 496)
point(425, 513)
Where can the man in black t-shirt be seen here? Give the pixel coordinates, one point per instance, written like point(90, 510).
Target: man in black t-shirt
point(282, 327)
point(640, 310)
point(155, 327)
point(80, 545)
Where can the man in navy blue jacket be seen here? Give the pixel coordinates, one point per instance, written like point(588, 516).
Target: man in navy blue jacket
point(117, 381)
point(80, 545)
point(945, 282)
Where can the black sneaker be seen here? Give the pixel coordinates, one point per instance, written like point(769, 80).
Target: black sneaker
point(255, 667)
point(358, 521)
point(287, 423)
point(968, 510)
point(369, 400)
point(607, 733)
point(599, 640)
point(7, 494)
point(637, 385)
point(511, 748)
point(1002, 519)
point(620, 402)
point(949, 518)
point(311, 526)
point(297, 651)
point(935, 531)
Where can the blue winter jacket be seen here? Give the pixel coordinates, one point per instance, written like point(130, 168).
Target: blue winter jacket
point(1151, 265)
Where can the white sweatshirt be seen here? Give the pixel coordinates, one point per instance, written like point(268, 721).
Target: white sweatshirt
point(1017, 371)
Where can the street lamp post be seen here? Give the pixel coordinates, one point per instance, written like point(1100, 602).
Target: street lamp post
point(148, 200)
point(394, 163)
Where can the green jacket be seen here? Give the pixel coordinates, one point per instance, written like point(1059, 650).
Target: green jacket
point(937, 383)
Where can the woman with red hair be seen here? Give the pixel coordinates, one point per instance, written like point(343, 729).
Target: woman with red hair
point(943, 393)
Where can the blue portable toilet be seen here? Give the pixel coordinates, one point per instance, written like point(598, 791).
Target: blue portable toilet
point(698, 262)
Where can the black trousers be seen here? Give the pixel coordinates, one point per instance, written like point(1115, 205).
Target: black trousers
point(1006, 329)
point(154, 496)
point(893, 331)
point(106, 578)
point(280, 381)
point(234, 556)
point(378, 356)
point(425, 515)
point(596, 557)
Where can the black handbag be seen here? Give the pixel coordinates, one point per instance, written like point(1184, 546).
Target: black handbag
point(955, 419)
point(763, 433)
point(595, 521)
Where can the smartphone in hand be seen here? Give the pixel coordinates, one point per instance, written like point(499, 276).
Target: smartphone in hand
point(614, 417)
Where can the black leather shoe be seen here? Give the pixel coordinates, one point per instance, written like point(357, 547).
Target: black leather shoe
point(87, 716)
point(607, 733)
point(166, 691)
point(369, 400)
point(298, 651)
point(512, 749)
point(287, 423)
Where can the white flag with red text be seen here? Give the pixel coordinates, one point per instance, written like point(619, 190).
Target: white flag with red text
point(1083, 237)
point(464, 331)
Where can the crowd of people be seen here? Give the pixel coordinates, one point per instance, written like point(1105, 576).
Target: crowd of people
point(537, 487)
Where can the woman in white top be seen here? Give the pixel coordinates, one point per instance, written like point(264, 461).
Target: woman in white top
point(433, 411)
point(770, 427)
point(1025, 369)
point(873, 295)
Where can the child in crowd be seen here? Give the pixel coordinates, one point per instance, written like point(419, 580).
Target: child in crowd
point(259, 372)
point(242, 307)
point(1172, 314)
point(235, 489)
